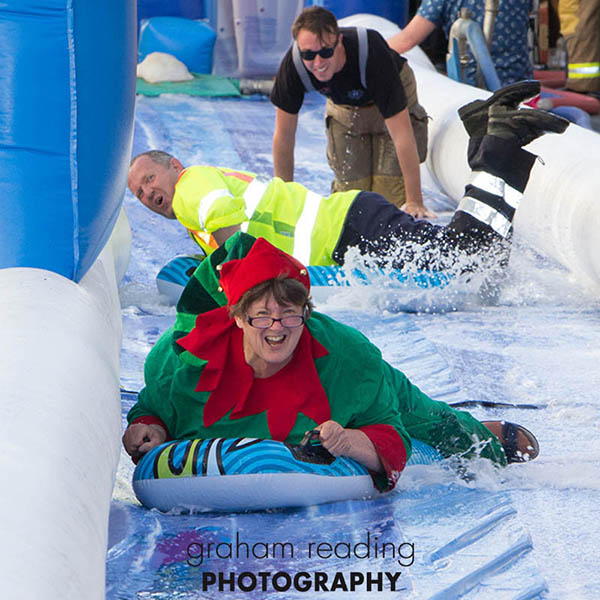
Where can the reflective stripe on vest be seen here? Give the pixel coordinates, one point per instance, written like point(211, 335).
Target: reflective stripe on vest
point(207, 202)
point(486, 214)
point(206, 241)
point(305, 226)
point(497, 187)
point(584, 70)
point(253, 195)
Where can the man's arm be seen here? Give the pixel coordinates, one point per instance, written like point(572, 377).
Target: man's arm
point(284, 140)
point(223, 234)
point(402, 135)
point(413, 34)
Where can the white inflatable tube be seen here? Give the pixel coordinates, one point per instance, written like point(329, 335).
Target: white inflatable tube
point(60, 420)
point(560, 211)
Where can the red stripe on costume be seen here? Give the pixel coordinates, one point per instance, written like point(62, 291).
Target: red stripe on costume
point(390, 449)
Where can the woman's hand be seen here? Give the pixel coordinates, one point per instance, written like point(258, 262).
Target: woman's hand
point(349, 442)
point(139, 438)
point(335, 438)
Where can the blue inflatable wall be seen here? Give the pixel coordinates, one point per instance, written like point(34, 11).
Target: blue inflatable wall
point(188, 9)
point(393, 10)
point(67, 93)
point(188, 40)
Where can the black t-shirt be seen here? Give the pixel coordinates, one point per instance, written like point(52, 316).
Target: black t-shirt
point(382, 78)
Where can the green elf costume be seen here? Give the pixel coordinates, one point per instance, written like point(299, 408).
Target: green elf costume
point(198, 384)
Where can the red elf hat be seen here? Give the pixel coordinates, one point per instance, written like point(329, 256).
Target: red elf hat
point(263, 262)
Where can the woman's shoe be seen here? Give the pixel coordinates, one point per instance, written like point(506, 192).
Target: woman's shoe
point(520, 445)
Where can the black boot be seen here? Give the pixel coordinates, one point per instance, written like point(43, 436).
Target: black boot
point(523, 126)
point(483, 219)
point(503, 159)
point(475, 114)
point(500, 152)
point(482, 223)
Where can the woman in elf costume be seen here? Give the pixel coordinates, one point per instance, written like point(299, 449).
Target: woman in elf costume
point(248, 357)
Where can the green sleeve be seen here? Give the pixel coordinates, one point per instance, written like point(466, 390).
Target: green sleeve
point(378, 406)
point(154, 399)
point(354, 378)
point(169, 392)
point(450, 431)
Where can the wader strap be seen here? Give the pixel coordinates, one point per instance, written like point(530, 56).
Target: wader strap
point(301, 69)
point(363, 54)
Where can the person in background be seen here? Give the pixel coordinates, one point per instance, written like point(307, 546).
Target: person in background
point(376, 129)
point(214, 203)
point(509, 48)
point(258, 361)
point(580, 26)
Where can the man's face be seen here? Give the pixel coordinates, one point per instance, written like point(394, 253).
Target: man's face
point(322, 68)
point(154, 184)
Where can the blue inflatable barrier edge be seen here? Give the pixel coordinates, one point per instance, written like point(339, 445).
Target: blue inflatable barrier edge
point(67, 102)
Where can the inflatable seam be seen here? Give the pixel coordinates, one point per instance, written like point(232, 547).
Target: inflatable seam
point(73, 134)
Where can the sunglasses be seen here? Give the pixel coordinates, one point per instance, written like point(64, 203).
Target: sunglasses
point(325, 52)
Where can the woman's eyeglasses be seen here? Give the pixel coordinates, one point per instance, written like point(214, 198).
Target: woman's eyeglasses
point(324, 52)
point(266, 322)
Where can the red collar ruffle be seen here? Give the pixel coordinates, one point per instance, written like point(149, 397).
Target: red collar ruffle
point(295, 389)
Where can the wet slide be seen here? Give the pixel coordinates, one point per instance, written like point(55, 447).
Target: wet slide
point(66, 141)
point(496, 536)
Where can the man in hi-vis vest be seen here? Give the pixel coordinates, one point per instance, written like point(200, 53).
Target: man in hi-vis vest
point(213, 203)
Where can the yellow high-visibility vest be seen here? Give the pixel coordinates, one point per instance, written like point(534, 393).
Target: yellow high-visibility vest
point(287, 214)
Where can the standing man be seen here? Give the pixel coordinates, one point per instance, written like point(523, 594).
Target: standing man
point(376, 129)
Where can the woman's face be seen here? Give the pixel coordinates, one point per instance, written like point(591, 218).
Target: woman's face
point(269, 350)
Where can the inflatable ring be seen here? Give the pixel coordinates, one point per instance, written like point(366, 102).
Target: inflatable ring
point(252, 474)
point(173, 277)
